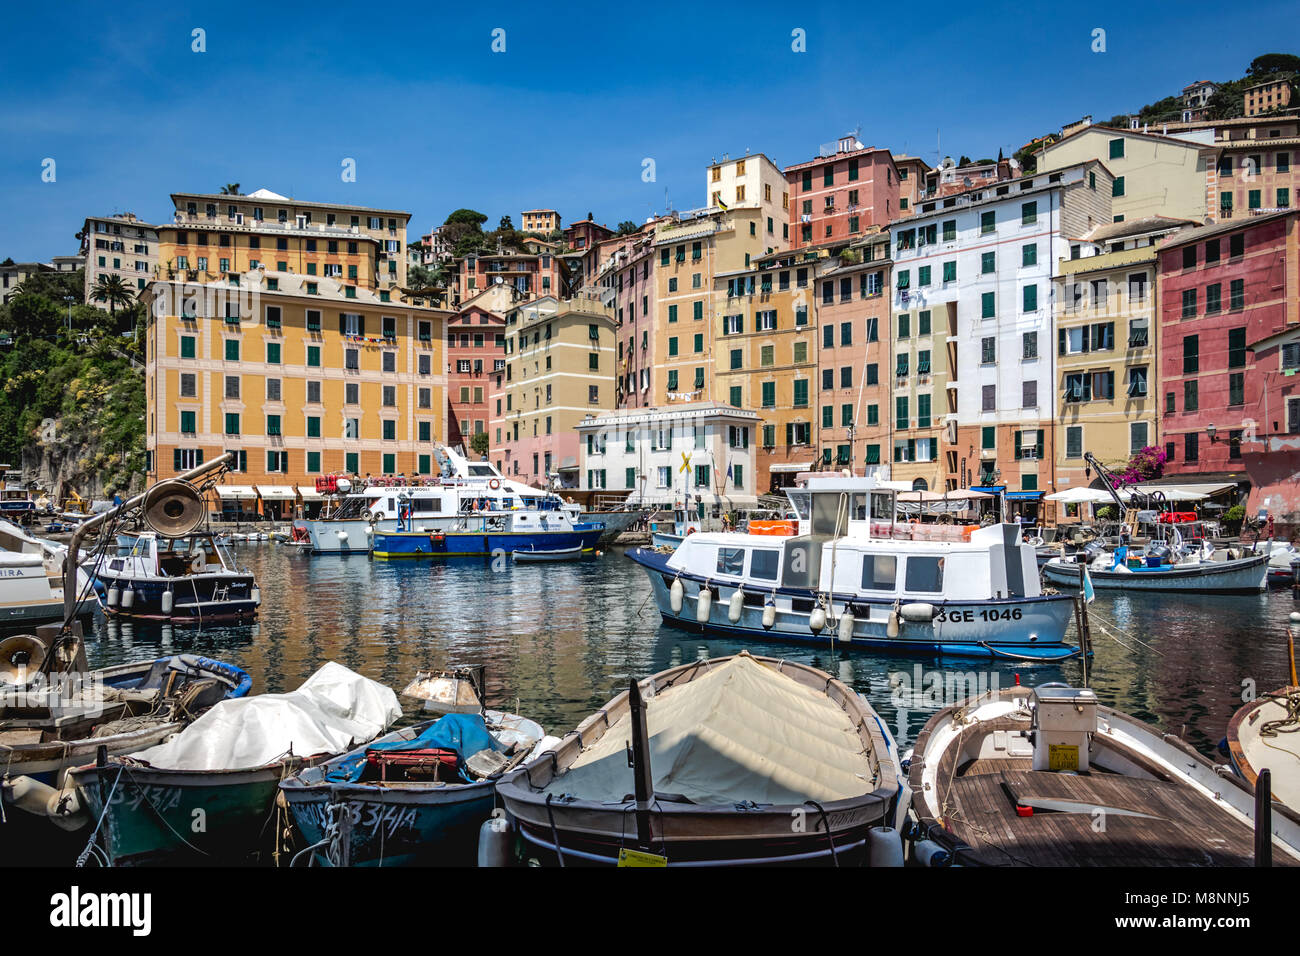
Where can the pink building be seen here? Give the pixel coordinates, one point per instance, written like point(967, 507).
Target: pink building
point(530, 275)
point(628, 277)
point(1229, 352)
point(475, 349)
point(835, 198)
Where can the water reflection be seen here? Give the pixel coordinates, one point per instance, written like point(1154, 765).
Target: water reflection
point(561, 639)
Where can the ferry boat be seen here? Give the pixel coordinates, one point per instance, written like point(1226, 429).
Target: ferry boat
point(485, 533)
point(16, 502)
point(854, 575)
point(437, 504)
point(184, 579)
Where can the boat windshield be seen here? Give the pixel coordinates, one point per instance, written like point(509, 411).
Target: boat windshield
point(801, 500)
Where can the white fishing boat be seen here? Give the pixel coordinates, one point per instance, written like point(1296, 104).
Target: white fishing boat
point(1168, 565)
point(31, 580)
point(438, 504)
point(1264, 734)
point(1049, 777)
point(854, 575)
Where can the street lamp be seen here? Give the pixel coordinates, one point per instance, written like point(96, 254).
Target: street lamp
point(69, 299)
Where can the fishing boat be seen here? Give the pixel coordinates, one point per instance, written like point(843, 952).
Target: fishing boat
point(492, 532)
point(31, 580)
point(185, 579)
point(1162, 566)
point(726, 753)
point(59, 716)
point(224, 769)
point(533, 556)
point(855, 575)
point(1264, 734)
point(1049, 777)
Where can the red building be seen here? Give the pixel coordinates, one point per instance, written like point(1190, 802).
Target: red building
point(1229, 315)
point(837, 196)
point(475, 348)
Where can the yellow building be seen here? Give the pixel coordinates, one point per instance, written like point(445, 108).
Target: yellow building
point(560, 367)
point(545, 221)
point(330, 238)
point(295, 376)
point(1106, 313)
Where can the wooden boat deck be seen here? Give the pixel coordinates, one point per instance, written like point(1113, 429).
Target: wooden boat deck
point(1175, 828)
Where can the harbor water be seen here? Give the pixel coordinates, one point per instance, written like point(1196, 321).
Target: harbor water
point(562, 639)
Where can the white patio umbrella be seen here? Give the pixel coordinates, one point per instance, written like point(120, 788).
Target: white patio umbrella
point(1079, 496)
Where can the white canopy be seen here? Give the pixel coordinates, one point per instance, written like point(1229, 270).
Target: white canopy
point(308, 493)
point(332, 711)
point(1171, 492)
point(236, 491)
point(277, 492)
point(797, 466)
point(1077, 496)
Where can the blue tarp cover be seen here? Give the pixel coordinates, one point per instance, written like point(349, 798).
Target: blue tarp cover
point(464, 733)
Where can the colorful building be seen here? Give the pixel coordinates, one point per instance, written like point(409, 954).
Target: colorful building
point(627, 281)
point(118, 245)
point(1267, 97)
point(1257, 171)
point(841, 194)
point(294, 376)
point(530, 275)
point(330, 237)
point(560, 367)
point(1229, 307)
point(476, 349)
point(544, 221)
point(851, 302)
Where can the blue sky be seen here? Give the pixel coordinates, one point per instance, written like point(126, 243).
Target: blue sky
point(563, 118)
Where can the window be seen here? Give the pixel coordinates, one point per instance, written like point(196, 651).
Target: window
point(273, 390)
point(950, 271)
point(1117, 187)
point(1236, 388)
point(924, 574)
point(1191, 354)
point(313, 356)
point(188, 423)
point(988, 395)
point(988, 222)
point(1029, 254)
point(1237, 245)
point(1029, 345)
point(901, 418)
point(1117, 149)
point(232, 350)
point(273, 353)
point(922, 323)
point(879, 572)
point(1213, 299)
point(187, 346)
point(800, 393)
point(1029, 393)
point(1028, 213)
point(1030, 297)
point(1191, 447)
point(987, 308)
point(1237, 294)
point(1074, 441)
point(1237, 348)
point(988, 350)
point(988, 262)
point(1191, 395)
point(189, 385)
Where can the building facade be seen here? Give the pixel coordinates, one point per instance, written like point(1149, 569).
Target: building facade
point(476, 349)
point(560, 367)
point(839, 195)
point(544, 221)
point(1229, 299)
point(1267, 97)
point(118, 245)
point(293, 376)
point(701, 452)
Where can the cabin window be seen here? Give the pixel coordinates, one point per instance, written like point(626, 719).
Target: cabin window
point(731, 561)
point(763, 564)
point(924, 574)
point(879, 572)
point(882, 506)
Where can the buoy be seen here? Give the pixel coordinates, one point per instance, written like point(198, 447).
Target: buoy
point(128, 598)
point(494, 841)
point(736, 606)
point(846, 625)
point(42, 800)
point(817, 619)
point(343, 535)
point(257, 596)
point(920, 611)
point(929, 853)
point(167, 602)
point(675, 595)
point(704, 606)
point(884, 847)
point(114, 597)
point(891, 629)
point(769, 613)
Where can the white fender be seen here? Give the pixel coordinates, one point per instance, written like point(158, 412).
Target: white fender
point(736, 606)
point(128, 598)
point(817, 619)
point(769, 613)
point(168, 602)
point(257, 596)
point(891, 629)
point(704, 606)
point(884, 847)
point(676, 593)
point(929, 853)
point(494, 842)
point(846, 625)
point(114, 597)
point(342, 535)
point(920, 611)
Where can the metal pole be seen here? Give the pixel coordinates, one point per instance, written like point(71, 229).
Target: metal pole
point(642, 777)
point(1264, 818)
point(70, 561)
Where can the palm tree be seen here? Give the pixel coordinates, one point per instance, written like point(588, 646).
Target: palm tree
point(230, 189)
point(113, 290)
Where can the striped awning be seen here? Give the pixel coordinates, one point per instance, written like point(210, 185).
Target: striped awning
point(236, 492)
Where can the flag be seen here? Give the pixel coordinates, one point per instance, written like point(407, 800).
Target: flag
point(728, 472)
point(1088, 592)
point(722, 205)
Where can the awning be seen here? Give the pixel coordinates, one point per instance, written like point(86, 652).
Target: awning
point(990, 489)
point(1024, 495)
point(309, 494)
point(798, 466)
point(236, 492)
point(1202, 490)
point(277, 492)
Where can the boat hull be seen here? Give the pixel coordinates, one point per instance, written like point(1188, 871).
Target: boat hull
point(616, 522)
point(1251, 751)
point(415, 544)
point(196, 599)
point(401, 825)
point(1243, 576)
point(347, 536)
point(664, 539)
point(1028, 629)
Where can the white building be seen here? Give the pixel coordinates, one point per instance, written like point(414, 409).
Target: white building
point(118, 245)
point(981, 264)
point(669, 457)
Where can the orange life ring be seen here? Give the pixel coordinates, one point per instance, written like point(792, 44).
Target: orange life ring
point(690, 531)
point(494, 484)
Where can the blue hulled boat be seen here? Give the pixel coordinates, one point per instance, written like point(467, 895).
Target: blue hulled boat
point(854, 575)
point(492, 532)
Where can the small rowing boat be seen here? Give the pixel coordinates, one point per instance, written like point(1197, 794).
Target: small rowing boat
point(562, 554)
